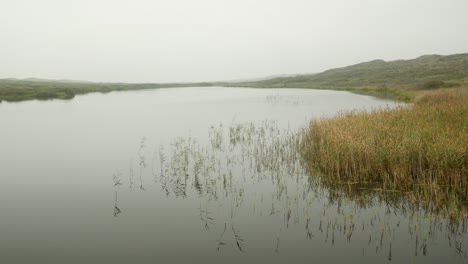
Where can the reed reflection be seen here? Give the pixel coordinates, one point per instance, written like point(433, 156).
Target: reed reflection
point(247, 169)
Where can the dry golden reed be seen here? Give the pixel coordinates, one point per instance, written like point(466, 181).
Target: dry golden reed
point(420, 149)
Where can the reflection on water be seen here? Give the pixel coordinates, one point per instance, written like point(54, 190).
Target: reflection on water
point(249, 169)
point(195, 175)
point(281, 99)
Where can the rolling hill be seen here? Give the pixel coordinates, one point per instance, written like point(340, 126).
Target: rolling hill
point(378, 76)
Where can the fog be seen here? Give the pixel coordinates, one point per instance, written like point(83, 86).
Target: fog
point(209, 40)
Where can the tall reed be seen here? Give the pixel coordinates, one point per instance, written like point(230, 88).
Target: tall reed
point(420, 149)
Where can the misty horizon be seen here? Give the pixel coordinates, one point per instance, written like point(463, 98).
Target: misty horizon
point(35, 78)
point(208, 41)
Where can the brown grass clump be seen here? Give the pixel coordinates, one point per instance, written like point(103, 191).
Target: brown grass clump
point(421, 150)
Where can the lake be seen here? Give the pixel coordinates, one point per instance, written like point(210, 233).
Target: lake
point(193, 175)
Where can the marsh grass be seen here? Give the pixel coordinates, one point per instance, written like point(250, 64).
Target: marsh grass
point(254, 169)
point(420, 150)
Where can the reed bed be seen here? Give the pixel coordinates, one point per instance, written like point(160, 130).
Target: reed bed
point(255, 169)
point(421, 150)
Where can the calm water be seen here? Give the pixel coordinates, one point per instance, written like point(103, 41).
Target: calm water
point(192, 175)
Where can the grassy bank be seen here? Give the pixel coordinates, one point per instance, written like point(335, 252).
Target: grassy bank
point(420, 150)
point(21, 90)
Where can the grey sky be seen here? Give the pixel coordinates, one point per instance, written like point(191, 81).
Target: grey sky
point(207, 40)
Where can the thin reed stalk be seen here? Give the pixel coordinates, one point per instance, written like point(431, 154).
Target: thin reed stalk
point(420, 149)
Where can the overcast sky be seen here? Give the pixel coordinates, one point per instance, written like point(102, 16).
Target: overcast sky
point(208, 40)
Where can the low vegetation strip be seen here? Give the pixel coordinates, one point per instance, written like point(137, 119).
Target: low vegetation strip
point(420, 149)
point(21, 90)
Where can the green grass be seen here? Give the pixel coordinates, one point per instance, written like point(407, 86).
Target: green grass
point(421, 150)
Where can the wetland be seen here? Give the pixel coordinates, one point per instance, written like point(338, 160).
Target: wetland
point(200, 175)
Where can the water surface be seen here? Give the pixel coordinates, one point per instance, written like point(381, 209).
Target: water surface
point(195, 175)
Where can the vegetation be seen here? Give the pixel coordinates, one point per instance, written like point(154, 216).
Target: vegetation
point(29, 89)
point(255, 167)
point(420, 150)
point(394, 79)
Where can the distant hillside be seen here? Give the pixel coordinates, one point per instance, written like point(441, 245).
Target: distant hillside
point(428, 71)
point(263, 78)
